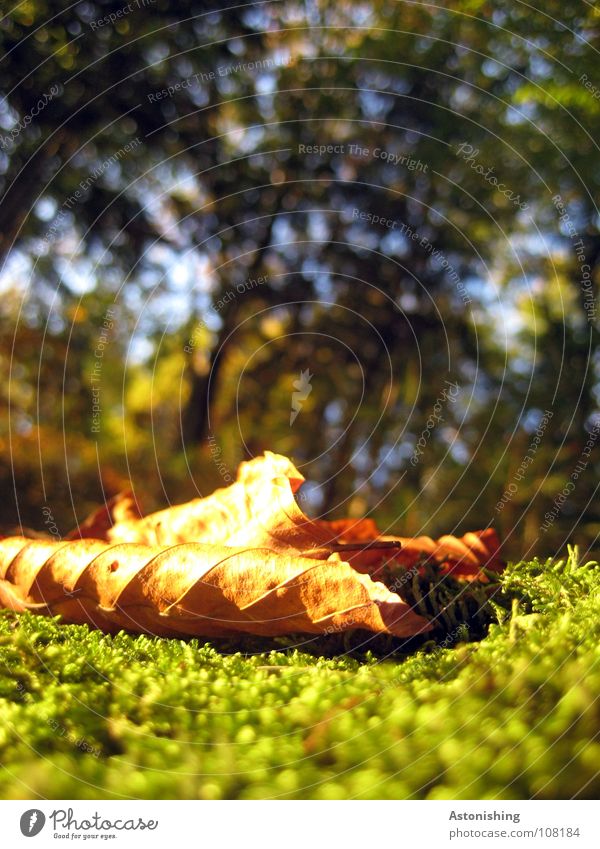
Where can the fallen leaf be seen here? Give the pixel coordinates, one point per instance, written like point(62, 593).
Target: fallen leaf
point(194, 589)
point(122, 509)
point(462, 557)
point(268, 466)
point(211, 519)
point(351, 530)
point(260, 509)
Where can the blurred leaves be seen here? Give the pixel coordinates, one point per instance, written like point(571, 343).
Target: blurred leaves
point(220, 191)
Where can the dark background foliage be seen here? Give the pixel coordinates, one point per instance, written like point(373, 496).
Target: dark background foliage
point(174, 257)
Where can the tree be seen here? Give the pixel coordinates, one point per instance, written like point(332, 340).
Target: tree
point(326, 190)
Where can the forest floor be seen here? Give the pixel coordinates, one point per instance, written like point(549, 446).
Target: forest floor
point(513, 715)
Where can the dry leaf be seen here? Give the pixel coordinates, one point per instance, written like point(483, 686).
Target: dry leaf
point(462, 557)
point(122, 509)
point(259, 509)
point(195, 589)
point(268, 466)
point(212, 519)
point(351, 530)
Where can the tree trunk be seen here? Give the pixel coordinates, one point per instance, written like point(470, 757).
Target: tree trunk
point(204, 386)
point(196, 424)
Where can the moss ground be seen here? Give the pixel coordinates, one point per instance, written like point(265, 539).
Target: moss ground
point(513, 715)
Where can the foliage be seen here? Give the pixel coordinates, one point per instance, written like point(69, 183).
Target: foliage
point(220, 192)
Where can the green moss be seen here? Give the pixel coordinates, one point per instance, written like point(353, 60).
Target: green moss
point(514, 715)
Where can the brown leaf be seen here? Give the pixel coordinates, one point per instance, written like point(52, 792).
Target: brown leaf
point(351, 530)
point(195, 589)
point(121, 509)
point(212, 519)
point(259, 509)
point(462, 557)
point(267, 467)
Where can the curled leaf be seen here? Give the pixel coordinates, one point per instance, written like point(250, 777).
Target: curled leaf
point(213, 519)
point(194, 589)
point(463, 557)
point(259, 509)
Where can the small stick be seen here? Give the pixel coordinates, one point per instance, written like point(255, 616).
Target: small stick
point(362, 546)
